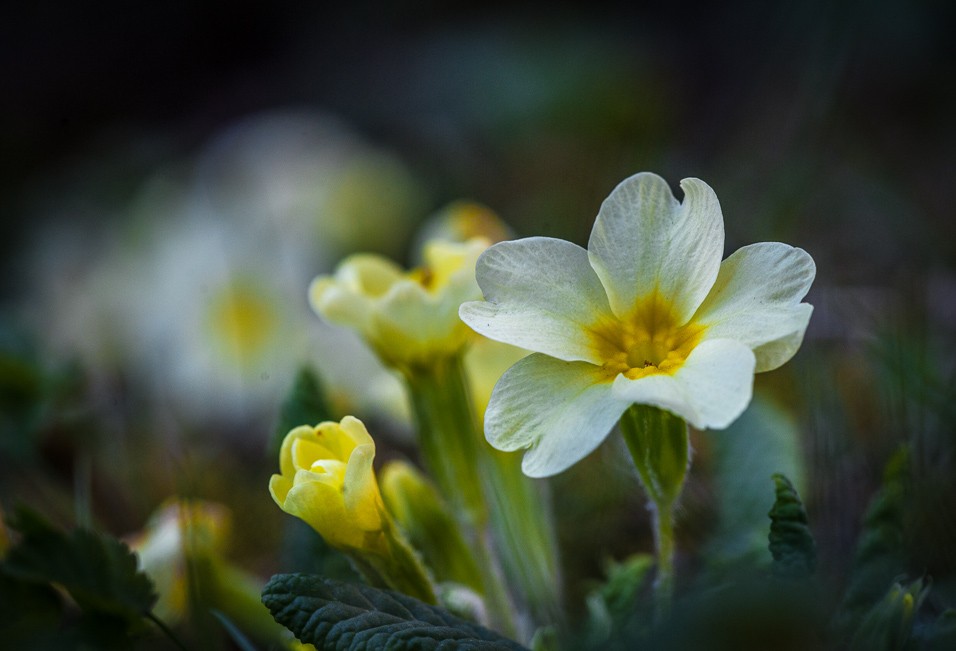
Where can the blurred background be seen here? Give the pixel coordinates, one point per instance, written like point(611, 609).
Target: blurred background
point(174, 174)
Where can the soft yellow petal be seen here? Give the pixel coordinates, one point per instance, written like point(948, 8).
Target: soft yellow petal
point(340, 304)
point(356, 431)
point(756, 300)
point(279, 488)
point(560, 410)
point(321, 507)
point(368, 274)
point(542, 295)
point(286, 465)
point(339, 443)
point(360, 490)
point(306, 450)
point(710, 389)
point(644, 242)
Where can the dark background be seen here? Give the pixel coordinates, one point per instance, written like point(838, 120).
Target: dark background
point(829, 121)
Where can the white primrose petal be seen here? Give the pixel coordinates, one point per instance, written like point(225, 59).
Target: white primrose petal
point(542, 295)
point(711, 388)
point(756, 300)
point(645, 241)
point(560, 410)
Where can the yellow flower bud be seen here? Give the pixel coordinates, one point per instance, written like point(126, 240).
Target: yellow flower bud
point(327, 480)
point(408, 318)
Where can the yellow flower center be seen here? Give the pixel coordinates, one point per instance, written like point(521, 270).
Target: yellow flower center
point(243, 320)
point(648, 342)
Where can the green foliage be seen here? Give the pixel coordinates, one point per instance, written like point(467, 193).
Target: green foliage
point(305, 404)
point(342, 616)
point(880, 554)
point(613, 608)
point(36, 398)
point(762, 441)
point(791, 543)
point(98, 571)
point(888, 624)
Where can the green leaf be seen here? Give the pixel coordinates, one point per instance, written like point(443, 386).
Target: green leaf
point(791, 543)
point(342, 616)
point(305, 404)
point(762, 441)
point(98, 571)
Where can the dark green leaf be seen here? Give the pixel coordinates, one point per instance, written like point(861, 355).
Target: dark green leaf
point(98, 571)
point(791, 543)
point(342, 616)
point(305, 404)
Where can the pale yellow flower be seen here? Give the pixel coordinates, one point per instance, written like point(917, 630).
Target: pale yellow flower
point(327, 480)
point(180, 529)
point(648, 314)
point(408, 318)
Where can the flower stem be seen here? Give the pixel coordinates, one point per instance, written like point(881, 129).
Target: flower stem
point(658, 442)
point(455, 454)
point(488, 487)
point(449, 444)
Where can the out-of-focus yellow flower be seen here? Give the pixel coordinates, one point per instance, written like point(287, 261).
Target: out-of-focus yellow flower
point(461, 221)
point(408, 318)
point(180, 529)
point(327, 480)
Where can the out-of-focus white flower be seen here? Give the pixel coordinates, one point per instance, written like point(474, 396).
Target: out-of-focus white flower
point(199, 293)
point(310, 177)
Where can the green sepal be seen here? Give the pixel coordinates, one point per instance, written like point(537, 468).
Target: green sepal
point(659, 446)
point(791, 542)
point(353, 617)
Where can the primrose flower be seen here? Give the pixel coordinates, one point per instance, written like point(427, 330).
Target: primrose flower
point(408, 318)
point(648, 314)
point(327, 480)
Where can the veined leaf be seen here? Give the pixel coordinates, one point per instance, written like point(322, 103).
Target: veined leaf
point(791, 543)
point(343, 616)
point(98, 571)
